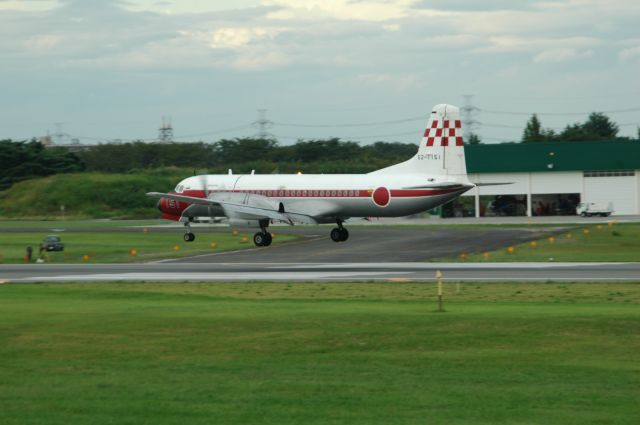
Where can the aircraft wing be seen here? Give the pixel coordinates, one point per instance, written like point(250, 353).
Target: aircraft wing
point(242, 205)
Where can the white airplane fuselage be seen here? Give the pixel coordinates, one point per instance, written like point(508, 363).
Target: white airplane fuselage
point(325, 197)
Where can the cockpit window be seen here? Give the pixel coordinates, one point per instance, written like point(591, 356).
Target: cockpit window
point(179, 188)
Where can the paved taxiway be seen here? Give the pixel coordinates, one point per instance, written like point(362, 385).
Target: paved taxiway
point(182, 272)
point(373, 244)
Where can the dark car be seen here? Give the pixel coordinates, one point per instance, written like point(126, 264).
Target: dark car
point(52, 243)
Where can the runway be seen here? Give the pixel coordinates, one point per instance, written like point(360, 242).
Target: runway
point(363, 272)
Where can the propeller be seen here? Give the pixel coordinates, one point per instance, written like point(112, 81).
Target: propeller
point(204, 185)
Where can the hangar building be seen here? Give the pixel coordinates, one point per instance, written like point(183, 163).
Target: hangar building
point(550, 178)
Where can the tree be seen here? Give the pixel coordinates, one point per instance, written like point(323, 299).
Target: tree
point(599, 126)
point(533, 131)
point(474, 139)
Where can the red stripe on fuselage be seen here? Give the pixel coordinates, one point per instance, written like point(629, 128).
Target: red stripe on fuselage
point(329, 193)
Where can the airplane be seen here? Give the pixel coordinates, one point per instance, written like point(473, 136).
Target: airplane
point(435, 175)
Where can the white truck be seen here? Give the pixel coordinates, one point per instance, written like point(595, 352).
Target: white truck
point(588, 209)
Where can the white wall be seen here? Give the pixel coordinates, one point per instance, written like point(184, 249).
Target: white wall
point(621, 191)
point(556, 182)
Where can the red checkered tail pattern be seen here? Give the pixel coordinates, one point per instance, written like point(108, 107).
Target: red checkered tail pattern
point(441, 151)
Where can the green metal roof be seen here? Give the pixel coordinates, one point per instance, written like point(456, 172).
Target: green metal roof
point(559, 156)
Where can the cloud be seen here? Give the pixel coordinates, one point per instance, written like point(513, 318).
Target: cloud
point(629, 54)
point(393, 81)
point(561, 55)
point(344, 10)
point(233, 37)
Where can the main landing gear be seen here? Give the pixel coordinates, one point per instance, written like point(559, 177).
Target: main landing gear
point(339, 234)
point(263, 237)
point(189, 236)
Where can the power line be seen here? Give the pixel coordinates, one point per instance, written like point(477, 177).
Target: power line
point(616, 111)
point(366, 124)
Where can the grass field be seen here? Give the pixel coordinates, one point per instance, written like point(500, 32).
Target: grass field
point(319, 354)
point(601, 242)
point(103, 247)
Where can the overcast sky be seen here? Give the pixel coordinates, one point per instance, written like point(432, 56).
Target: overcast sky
point(112, 68)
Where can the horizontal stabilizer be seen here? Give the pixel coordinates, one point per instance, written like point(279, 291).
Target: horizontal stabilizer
point(451, 185)
point(491, 184)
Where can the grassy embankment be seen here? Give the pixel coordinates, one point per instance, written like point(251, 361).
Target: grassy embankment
point(595, 242)
point(88, 195)
point(319, 353)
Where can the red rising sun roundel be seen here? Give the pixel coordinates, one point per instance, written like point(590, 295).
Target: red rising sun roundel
point(381, 196)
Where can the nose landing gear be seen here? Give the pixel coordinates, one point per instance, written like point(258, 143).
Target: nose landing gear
point(340, 233)
point(189, 236)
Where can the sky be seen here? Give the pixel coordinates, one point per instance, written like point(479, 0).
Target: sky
point(366, 70)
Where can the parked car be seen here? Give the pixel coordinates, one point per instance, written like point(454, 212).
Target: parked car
point(52, 243)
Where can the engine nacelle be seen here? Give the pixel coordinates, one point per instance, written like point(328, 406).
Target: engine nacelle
point(244, 224)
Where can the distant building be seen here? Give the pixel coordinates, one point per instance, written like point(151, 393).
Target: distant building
point(550, 178)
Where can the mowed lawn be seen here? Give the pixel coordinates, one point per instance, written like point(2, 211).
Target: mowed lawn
point(275, 353)
point(594, 242)
point(122, 247)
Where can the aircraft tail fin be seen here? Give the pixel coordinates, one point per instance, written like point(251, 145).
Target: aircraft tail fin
point(441, 151)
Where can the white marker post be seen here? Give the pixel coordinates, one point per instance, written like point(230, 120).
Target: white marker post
point(439, 280)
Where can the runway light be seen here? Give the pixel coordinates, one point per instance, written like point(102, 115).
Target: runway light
point(586, 231)
point(463, 256)
point(486, 255)
point(551, 239)
point(244, 239)
point(534, 244)
point(145, 230)
point(85, 258)
point(235, 233)
point(213, 245)
point(568, 235)
point(599, 227)
point(511, 250)
point(176, 248)
point(133, 252)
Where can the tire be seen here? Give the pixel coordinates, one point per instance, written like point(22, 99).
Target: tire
point(336, 235)
point(259, 239)
point(344, 235)
point(268, 238)
point(189, 237)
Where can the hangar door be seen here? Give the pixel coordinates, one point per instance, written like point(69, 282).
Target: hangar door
point(617, 187)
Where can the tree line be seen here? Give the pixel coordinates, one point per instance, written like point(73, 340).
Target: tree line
point(28, 159)
point(598, 126)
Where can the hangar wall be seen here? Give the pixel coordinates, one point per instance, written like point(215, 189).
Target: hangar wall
point(623, 191)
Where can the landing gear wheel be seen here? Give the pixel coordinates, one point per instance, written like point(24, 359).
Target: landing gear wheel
point(262, 239)
point(339, 234)
point(189, 237)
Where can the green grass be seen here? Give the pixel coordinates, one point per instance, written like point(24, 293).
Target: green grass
point(319, 353)
point(86, 195)
point(602, 242)
point(105, 247)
